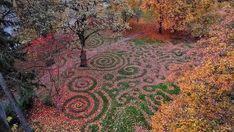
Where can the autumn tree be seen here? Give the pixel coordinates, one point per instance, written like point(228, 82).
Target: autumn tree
point(192, 16)
point(135, 7)
point(88, 17)
point(177, 15)
point(84, 18)
point(182, 15)
point(163, 12)
point(202, 15)
point(123, 6)
point(39, 17)
point(159, 8)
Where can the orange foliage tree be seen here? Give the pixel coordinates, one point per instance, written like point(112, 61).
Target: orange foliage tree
point(180, 14)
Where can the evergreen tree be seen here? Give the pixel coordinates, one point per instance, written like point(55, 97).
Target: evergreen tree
point(13, 77)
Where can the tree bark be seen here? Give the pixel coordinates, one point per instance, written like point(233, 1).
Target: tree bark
point(160, 30)
point(138, 19)
point(160, 26)
point(13, 102)
point(83, 58)
point(3, 119)
point(14, 3)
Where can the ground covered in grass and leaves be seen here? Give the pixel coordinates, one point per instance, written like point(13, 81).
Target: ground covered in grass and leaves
point(120, 90)
point(184, 85)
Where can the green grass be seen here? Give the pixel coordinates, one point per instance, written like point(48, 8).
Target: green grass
point(165, 97)
point(130, 117)
point(156, 102)
point(105, 106)
point(165, 87)
point(47, 100)
point(145, 107)
point(139, 42)
point(121, 117)
point(94, 128)
point(142, 97)
point(153, 41)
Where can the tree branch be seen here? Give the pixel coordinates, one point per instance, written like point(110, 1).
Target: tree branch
point(91, 34)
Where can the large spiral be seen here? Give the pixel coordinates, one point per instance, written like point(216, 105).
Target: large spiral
point(131, 72)
point(106, 62)
point(94, 42)
point(82, 83)
point(85, 106)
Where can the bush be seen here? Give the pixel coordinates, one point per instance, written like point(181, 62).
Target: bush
point(150, 15)
point(201, 27)
point(11, 116)
point(3, 127)
point(47, 100)
point(231, 25)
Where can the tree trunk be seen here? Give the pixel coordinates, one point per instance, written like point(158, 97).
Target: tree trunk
point(160, 26)
point(13, 102)
point(138, 19)
point(57, 86)
point(124, 16)
point(14, 3)
point(4, 126)
point(160, 30)
point(83, 58)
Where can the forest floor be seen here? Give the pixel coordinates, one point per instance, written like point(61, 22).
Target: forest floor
point(120, 90)
point(135, 83)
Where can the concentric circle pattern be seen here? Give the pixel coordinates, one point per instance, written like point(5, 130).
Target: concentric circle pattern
point(131, 72)
point(106, 62)
point(82, 83)
point(120, 78)
point(94, 42)
point(86, 106)
point(148, 80)
point(108, 77)
point(81, 106)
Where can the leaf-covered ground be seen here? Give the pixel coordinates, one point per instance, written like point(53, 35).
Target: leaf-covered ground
point(121, 89)
point(184, 86)
point(206, 99)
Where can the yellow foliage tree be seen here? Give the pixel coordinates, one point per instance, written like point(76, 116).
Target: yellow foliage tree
point(180, 14)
